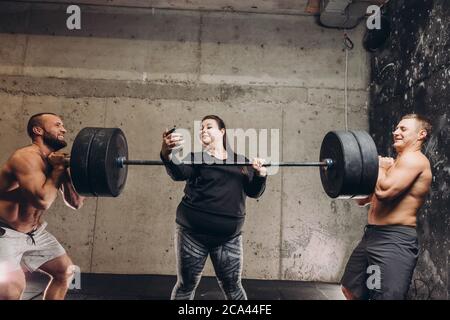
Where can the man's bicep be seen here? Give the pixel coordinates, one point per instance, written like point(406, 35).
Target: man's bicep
point(402, 176)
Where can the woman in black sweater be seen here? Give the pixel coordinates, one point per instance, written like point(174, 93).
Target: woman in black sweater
point(211, 214)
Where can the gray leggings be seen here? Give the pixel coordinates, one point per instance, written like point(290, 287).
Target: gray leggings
point(192, 252)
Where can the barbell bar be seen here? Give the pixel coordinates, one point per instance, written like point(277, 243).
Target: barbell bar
point(122, 161)
point(348, 163)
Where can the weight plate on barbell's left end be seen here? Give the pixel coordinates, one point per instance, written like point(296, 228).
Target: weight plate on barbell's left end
point(369, 156)
point(342, 179)
point(79, 161)
point(107, 178)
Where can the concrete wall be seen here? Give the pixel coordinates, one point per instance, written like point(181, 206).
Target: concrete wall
point(255, 6)
point(411, 73)
point(144, 71)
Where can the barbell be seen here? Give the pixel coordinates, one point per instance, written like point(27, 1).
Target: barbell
point(99, 163)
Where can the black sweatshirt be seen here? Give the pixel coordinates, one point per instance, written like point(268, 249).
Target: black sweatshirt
point(214, 196)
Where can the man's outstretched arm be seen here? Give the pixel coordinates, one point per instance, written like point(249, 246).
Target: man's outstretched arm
point(71, 198)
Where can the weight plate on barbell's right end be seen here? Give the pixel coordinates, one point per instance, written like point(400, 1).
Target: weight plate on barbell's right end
point(79, 161)
point(341, 180)
point(118, 148)
point(107, 178)
point(369, 156)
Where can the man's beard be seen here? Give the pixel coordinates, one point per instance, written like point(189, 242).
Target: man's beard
point(54, 143)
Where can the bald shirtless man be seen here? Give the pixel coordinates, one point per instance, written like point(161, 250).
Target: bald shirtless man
point(29, 184)
point(389, 248)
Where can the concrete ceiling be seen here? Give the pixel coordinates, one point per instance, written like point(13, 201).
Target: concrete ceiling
point(296, 7)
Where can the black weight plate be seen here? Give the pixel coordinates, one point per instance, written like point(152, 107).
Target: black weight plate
point(343, 178)
point(79, 161)
point(369, 156)
point(107, 178)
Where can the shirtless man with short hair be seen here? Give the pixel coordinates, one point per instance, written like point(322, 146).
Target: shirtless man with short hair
point(29, 184)
point(390, 239)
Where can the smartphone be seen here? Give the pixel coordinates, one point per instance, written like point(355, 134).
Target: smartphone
point(171, 130)
point(180, 147)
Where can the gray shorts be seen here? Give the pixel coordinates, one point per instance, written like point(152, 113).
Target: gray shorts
point(17, 248)
point(382, 265)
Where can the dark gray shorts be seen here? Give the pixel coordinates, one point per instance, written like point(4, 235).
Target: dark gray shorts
point(382, 264)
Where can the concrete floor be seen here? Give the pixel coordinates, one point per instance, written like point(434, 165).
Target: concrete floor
point(157, 287)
